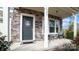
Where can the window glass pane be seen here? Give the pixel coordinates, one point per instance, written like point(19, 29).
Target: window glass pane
point(52, 26)
point(57, 25)
point(1, 15)
point(57, 29)
point(1, 20)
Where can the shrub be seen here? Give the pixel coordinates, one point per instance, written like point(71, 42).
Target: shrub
point(69, 34)
point(77, 33)
point(4, 45)
point(76, 41)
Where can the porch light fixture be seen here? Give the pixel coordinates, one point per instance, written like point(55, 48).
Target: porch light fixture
point(56, 11)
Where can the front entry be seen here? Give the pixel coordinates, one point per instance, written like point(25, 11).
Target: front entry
point(27, 28)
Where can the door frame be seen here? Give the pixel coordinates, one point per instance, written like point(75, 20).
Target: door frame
point(21, 18)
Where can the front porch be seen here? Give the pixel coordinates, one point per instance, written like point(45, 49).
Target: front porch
point(47, 23)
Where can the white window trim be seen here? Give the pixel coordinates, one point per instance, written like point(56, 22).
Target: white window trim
point(48, 26)
point(24, 14)
point(55, 26)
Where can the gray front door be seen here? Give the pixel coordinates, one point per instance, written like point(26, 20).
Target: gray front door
point(27, 28)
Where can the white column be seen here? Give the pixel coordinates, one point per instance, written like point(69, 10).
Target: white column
point(75, 25)
point(46, 27)
point(5, 22)
point(10, 19)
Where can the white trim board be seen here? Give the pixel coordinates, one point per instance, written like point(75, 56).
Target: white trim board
point(5, 23)
point(10, 22)
point(24, 14)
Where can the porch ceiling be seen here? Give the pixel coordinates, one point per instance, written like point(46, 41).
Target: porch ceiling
point(61, 12)
point(41, 9)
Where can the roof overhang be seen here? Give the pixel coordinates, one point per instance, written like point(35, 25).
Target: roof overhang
point(61, 12)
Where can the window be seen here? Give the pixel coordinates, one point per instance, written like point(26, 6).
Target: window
point(51, 26)
point(1, 20)
point(57, 26)
point(54, 26)
point(1, 15)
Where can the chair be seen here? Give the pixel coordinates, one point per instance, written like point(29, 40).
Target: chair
point(61, 34)
point(53, 36)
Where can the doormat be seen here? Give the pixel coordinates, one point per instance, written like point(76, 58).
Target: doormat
point(27, 42)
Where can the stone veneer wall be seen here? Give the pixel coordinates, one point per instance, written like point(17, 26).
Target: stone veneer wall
point(15, 25)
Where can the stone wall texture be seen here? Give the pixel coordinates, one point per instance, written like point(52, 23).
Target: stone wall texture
point(15, 25)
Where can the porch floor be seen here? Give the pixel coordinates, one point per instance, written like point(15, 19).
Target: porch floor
point(39, 45)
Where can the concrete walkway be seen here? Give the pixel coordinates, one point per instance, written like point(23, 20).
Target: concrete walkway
point(39, 45)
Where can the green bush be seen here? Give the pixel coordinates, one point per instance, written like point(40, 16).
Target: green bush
point(69, 34)
point(78, 33)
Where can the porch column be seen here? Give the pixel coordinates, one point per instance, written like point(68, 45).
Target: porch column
point(5, 23)
point(46, 28)
point(75, 25)
point(11, 9)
